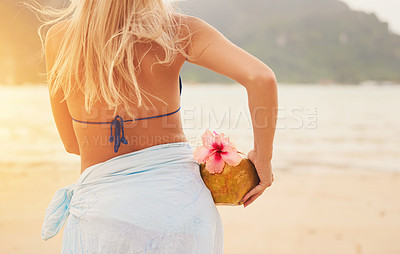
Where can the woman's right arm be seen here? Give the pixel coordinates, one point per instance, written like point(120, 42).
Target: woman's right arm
point(210, 49)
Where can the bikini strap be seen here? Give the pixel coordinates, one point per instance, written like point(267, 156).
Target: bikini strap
point(180, 85)
point(118, 124)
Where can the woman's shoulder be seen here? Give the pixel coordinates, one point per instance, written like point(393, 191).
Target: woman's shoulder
point(56, 33)
point(197, 29)
point(60, 26)
point(192, 22)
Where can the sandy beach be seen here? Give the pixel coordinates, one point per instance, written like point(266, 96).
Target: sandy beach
point(336, 169)
point(300, 214)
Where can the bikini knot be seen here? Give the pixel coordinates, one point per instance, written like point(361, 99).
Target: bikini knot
point(118, 124)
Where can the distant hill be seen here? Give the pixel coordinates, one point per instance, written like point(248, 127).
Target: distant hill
point(304, 41)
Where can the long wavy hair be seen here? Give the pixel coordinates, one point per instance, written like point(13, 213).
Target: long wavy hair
point(97, 52)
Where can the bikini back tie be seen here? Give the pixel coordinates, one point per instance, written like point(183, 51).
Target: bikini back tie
point(118, 124)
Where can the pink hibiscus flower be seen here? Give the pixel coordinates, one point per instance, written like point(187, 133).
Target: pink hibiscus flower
point(216, 150)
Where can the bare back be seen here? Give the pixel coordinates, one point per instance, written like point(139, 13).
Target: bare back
point(162, 82)
point(93, 140)
point(208, 48)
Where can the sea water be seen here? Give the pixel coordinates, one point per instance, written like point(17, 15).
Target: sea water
point(320, 127)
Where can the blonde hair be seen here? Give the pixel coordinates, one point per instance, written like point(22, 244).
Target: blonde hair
point(101, 36)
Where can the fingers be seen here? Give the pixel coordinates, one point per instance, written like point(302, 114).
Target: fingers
point(251, 199)
point(250, 155)
point(266, 179)
point(252, 192)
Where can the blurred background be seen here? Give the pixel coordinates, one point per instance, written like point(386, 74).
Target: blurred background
point(337, 147)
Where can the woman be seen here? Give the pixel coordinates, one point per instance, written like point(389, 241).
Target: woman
point(113, 73)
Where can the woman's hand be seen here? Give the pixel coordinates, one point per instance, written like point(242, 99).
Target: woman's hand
point(264, 170)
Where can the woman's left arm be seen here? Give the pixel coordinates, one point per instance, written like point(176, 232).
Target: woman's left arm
point(64, 123)
point(59, 109)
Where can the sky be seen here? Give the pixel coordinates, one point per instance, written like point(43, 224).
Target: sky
point(386, 10)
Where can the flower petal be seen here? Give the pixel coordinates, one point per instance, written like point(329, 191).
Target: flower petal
point(207, 139)
point(233, 158)
point(218, 137)
point(201, 153)
point(226, 142)
point(215, 164)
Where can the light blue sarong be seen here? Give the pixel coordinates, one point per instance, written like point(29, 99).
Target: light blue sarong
point(148, 201)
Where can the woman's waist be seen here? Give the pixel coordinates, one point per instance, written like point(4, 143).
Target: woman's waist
point(156, 157)
point(98, 149)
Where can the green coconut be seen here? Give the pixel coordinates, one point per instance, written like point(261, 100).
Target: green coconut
point(230, 186)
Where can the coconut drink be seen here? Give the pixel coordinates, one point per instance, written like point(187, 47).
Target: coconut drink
point(226, 172)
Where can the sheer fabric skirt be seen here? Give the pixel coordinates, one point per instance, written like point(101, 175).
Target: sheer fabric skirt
point(149, 201)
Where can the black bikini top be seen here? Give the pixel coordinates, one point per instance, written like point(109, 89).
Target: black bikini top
point(118, 122)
